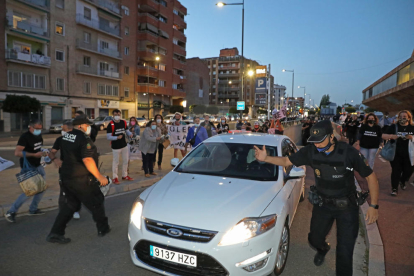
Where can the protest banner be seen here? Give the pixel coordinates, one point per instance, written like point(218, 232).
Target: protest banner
point(178, 136)
point(4, 164)
point(134, 152)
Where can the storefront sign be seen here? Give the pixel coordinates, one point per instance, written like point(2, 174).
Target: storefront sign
point(108, 104)
point(261, 71)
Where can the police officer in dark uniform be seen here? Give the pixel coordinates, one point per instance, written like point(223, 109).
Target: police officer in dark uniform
point(80, 181)
point(334, 196)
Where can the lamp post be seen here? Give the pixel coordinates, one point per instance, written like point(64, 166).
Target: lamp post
point(304, 94)
point(293, 78)
point(221, 4)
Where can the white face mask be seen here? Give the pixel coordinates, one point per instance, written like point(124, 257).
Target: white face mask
point(158, 121)
point(117, 118)
point(63, 132)
point(88, 130)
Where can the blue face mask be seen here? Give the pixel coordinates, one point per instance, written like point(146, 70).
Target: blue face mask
point(324, 149)
point(37, 132)
point(154, 127)
point(196, 125)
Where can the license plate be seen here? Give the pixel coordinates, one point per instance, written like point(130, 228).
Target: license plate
point(172, 256)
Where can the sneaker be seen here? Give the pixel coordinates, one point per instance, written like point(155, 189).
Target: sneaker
point(36, 213)
point(76, 215)
point(115, 181)
point(103, 233)
point(127, 178)
point(54, 238)
point(403, 186)
point(10, 216)
point(153, 173)
point(147, 175)
point(394, 192)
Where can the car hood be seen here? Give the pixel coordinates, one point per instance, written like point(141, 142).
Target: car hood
point(200, 201)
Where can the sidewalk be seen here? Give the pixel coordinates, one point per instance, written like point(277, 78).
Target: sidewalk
point(10, 189)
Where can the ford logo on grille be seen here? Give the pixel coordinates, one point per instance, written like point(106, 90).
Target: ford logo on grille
point(174, 232)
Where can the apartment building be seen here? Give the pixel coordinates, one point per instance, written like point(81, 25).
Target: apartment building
point(85, 55)
point(279, 96)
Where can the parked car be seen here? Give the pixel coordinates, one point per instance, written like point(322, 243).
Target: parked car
point(188, 120)
point(168, 118)
point(56, 128)
point(142, 122)
point(219, 211)
point(103, 121)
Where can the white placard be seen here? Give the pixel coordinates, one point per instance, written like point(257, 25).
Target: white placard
point(4, 164)
point(178, 136)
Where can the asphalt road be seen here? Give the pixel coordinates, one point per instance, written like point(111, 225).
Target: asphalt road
point(24, 251)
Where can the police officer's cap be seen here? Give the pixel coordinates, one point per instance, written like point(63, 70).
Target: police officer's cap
point(320, 131)
point(81, 120)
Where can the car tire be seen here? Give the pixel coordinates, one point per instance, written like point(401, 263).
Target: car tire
point(283, 250)
point(101, 127)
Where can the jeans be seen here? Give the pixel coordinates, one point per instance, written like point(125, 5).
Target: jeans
point(148, 162)
point(115, 161)
point(401, 169)
point(36, 198)
point(347, 224)
point(369, 154)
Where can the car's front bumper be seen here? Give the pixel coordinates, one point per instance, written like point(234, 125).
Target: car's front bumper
point(222, 259)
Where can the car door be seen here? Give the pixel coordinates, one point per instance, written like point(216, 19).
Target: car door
point(298, 184)
point(289, 184)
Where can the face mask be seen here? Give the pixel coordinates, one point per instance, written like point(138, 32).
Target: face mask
point(223, 122)
point(132, 123)
point(158, 121)
point(328, 146)
point(403, 121)
point(256, 126)
point(196, 125)
point(37, 132)
point(370, 121)
point(117, 118)
point(63, 133)
point(154, 127)
point(88, 130)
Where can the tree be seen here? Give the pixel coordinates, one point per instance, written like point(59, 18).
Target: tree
point(350, 109)
point(212, 109)
point(233, 110)
point(199, 109)
point(191, 108)
point(325, 100)
point(261, 111)
point(176, 108)
point(338, 110)
point(369, 110)
point(20, 104)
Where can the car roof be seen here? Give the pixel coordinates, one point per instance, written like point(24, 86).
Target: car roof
point(249, 138)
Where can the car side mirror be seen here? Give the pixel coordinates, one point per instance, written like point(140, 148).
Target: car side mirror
point(174, 162)
point(296, 173)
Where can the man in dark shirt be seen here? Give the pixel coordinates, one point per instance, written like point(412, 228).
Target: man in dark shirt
point(334, 164)
point(29, 144)
point(80, 180)
point(94, 128)
point(115, 132)
point(306, 131)
point(209, 126)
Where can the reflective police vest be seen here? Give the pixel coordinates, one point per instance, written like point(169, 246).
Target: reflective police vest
point(333, 178)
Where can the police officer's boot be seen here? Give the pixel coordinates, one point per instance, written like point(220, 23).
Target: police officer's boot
point(320, 256)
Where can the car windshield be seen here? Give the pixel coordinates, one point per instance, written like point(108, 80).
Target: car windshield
point(140, 119)
point(229, 160)
point(99, 119)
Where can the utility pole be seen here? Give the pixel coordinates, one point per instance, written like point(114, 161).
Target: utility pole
point(268, 94)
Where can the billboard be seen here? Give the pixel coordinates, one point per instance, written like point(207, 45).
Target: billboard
point(261, 71)
point(261, 86)
point(260, 99)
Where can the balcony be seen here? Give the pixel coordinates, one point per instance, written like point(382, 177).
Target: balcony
point(106, 5)
point(179, 50)
point(147, 35)
point(145, 88)
point(98, 50)
point(24, 27)
point(42, 4)
point(179, 21)
point(229, 67)
point(228, 75)
point(179, 35)
point(227, 96)
point(97, 25)
point(148, 18)
point(178, 64)
point(27, 58)
point(147, 70)
point(226, 104)
point(148, 5)
point(90, 71)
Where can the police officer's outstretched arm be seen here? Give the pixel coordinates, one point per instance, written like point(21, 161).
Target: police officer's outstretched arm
point(261, 155)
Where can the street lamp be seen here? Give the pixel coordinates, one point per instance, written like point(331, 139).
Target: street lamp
point(250, 73)
point(221, 4)
point(293, 77)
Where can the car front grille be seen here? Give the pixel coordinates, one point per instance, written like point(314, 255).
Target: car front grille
point(187, 233)
point(206, 265)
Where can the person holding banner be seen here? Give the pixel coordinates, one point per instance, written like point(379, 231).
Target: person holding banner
point(178, 146)
point(277, 125)
point(148, 145)
point(196, 134)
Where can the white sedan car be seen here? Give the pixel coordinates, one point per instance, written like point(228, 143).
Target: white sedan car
point(219, 211)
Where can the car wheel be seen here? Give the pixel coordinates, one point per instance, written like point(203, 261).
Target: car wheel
point(302, 195)
point(283, 250)
point(101, 127)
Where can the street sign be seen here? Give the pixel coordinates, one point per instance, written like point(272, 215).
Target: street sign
point(261, 86)
point(241, 106)
point(261, 71)
point(260, 99)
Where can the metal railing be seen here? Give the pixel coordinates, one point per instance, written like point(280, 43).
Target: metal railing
point(148, 14)
point(97, 24)
point(27, 27)
point(27, 57)
point(98, 72)
point(95, 48)
point(40, 3)
point(228, 96)
point(108, 5)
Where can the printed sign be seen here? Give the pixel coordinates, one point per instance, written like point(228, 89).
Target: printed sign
point(134, 152)
point(178, 136)
point(241, 105)
point(261, 85)
point(260, 99)
point(261, 71)
point(108, 104)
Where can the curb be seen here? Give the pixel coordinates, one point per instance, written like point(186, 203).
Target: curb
point(53, 201)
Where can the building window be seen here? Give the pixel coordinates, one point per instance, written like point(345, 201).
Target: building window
point(87, 13)
point(126, 11)
point(60, 84)
point(175, 41)
point(90, 112)
point(60, 28)
point(161, 67)
point(162, 2)
point(60, 55)
point(60, 4)
point(175, 86)
point(161, 83)
point(101, 89)
point(108, 90)
point(126, 51)
point(87, 87)
point(39, 82)
point(115, 91)
point(86, 37)
point(86, 61)
point(126, 30)
point(126, 92)
point(104, 45)
point(27, 80)
point(126, 70)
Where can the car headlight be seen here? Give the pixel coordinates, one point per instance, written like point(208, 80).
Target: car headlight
point(247, 229)
point(136, 213)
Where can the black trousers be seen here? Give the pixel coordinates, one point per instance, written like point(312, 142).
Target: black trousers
point(401, 169)
point(347, 224)
point(160, 151)
point(75, 192)
point(148, 162)
point(352, 136)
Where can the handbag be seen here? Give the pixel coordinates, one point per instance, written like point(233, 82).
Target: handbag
point(30, 179)
point(388, 151)
point(192, 140)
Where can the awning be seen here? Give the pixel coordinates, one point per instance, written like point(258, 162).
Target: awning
point(163, 34)
point(152, 28)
